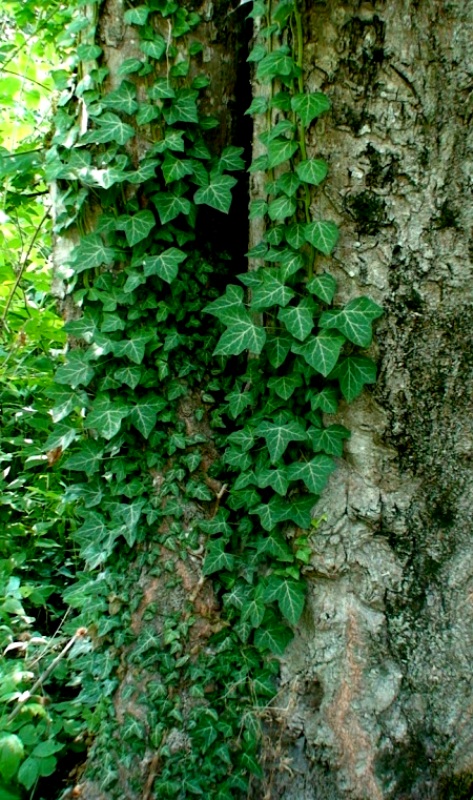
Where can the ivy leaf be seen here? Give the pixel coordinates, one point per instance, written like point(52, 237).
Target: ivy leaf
point(321, 352)
point(353, 373)
point(259, 105)
point(329, 440)
point(244, 438)
point(106, 416)
point(137, 226)
point(87, 459)
point(175, 168)
point(183, 107)
point(291, 262)
point(310, 105)
point(290, 595)
point(275, 544)
point(323, 286)
point(229, 308)
point(161, 90)
point(172, 141)
point(144, 414)
point(295, 235)
point(258, 208)
point(169, 206)
point(130, 376)
point(278, 435)
point(322, 235)
point(277, 349)
point(111, 129)
point(254, 610)
point(354, 321)
point(270, 292)
point(92, 253)
point(217, 559)
point(166, 266)
point(76, 370)
point(134, 349)
point(238, 401)
point(288, 183)
point(83, 328)
point(136, 16)
point(281, 208)
point(133, 280)
point(122, 99)
point(279, 63)
point(217, 194)
point(130, 65)
point(299, 320)
point(145, 172)
point(326, 400)
point(313, 473)
point(300, 511)
point(231, 159)
point(240, 336)
point(285, 385)
point(273, 635)
point(154, 48)
point(313, 171)
point(276, 478)
point(271, 513)
point(280, 150)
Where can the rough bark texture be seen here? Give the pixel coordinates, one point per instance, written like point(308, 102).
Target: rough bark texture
point(377, 682)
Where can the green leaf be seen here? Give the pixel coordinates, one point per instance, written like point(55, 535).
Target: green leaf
point(322, 235)
point(229, 308)
point(130, 376)
point(244, 438)
point(240, 336)
point(290, 595)
point(111, 129)
point(217, 559)
point(231, 159)
point(258, 208)
point(310, 105)
point(62, 436)
point(29, 772)
point(276, 478)
point(83, 328)
point(354, 321)
point(280, 150)
point(259, 105)
point(137, 227)
point(136, 16)
point(313, 171)
point(144, 413)
point(169, 206)
point(87, 459)
point(285, 385)
point(270, 292)
point(295, 235)
point(329, 440)
point(257, 53)
point(89, 52)
point(161, 90)
point(217, 194)
point(92, 253)
point(353, 373)
point(145, 172)
point(122, 99)
point(279, 63)
point(183, 107)
point(106, 417)
point(326, 400)
point(275, 545)
point(175, 168)
point(254, 610)
point(321, 352)
point(76, 370)
point(281, 208)
point(273, 635)
point(11, 755)
point(134, 349)
point(279, 434)
point(154, 48)
point(323, 286)
point(300, 511)
point(238, 401)
point(130, 65)
point(172, 141)
point(277, 349)
point(271, 513)
point(288, 183)
point(313, 473)
point(166, 266)
point(299, 320)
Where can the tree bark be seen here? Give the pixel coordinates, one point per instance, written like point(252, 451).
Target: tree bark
point(377, 682)
point(376, 699)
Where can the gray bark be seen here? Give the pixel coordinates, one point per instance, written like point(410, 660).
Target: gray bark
point(377, 697)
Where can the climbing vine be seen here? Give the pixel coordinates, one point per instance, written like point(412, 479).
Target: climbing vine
point(136, 435)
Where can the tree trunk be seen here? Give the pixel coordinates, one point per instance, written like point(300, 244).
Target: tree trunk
point(378, 680)
point(375, 698)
